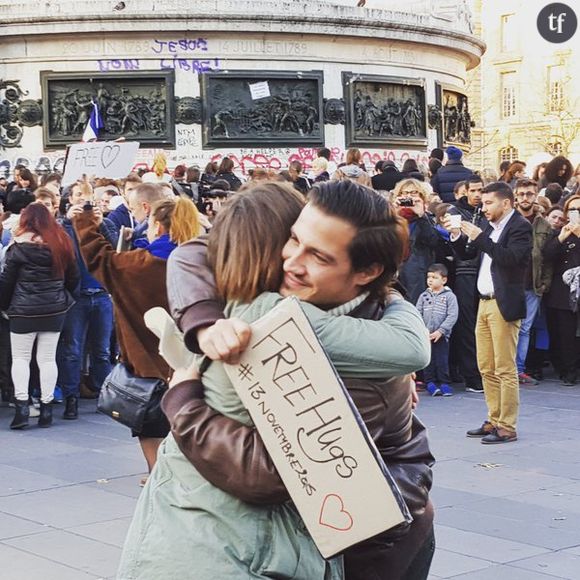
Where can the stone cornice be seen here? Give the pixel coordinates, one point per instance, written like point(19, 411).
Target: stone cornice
point(83, 17)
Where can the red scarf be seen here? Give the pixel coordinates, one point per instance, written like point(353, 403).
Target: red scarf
point(408, 214)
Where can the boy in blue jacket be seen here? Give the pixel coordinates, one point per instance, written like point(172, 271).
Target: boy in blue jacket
point(439, 309)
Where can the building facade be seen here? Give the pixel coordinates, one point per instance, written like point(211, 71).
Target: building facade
point(265, 82)
point(525, 95)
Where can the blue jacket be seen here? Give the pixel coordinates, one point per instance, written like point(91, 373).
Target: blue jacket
point(109, 232)
point(121, 216)
point(439, 311)
point(445, 179)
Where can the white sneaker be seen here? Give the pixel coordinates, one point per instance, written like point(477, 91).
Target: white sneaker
point(34, 412)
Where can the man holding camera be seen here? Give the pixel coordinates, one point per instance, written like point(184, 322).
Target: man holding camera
point(90, 319)
point(503, 250)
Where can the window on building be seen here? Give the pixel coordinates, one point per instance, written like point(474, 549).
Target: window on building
point(508, 33)
point(508, 91)
point(509, 153)
point(555, 88)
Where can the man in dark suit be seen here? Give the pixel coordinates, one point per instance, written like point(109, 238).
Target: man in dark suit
point(504, 249)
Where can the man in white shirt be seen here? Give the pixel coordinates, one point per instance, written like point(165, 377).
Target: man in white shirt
point(504, 249)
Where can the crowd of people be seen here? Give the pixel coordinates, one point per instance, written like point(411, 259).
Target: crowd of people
point(460, 276)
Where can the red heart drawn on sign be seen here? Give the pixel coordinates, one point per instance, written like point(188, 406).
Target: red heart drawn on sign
point(333, 515)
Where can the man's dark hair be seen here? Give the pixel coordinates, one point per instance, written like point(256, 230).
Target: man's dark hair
point(526, 182)
point(221, 184)
point(473, 179)
point(434, 165)
point(438, 269)
point(500, 189)
point(18, 199)
point(382, 236)
point(324, 152)
point(436, 153)
point(554, 193)
point(296, 166)
point(458, 186)
point(379, 166)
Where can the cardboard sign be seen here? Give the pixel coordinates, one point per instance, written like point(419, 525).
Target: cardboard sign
point(314, 434)
point(101, 159)
point(259, 90)
point(171, 345)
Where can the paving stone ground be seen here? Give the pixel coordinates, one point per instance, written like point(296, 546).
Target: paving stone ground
point(506, 512)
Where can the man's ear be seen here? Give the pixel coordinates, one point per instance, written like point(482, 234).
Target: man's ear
point(368, 275)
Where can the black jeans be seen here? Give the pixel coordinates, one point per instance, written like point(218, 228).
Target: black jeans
point(463, 338)
point(5, 359)
point(437, 371)
point(407, 559)
point(564, 344)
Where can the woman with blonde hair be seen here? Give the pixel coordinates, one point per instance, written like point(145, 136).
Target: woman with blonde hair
point(412, 198)
point(136, 282)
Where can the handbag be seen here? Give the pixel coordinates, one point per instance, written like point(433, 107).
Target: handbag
point(131, 400)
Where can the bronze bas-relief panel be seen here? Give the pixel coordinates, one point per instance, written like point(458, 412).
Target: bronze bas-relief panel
point(290, 115)
point(457, 121)
point(385, 111)
point(138, 106)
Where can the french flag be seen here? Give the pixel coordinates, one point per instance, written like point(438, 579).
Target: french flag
point(93, 126)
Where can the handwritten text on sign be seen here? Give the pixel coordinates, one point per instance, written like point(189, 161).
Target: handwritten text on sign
point(310, 430)
point(101, 158)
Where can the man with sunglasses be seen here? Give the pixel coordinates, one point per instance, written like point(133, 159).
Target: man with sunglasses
point(538, 273)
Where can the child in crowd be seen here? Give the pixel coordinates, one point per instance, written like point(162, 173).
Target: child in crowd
point(439, 309)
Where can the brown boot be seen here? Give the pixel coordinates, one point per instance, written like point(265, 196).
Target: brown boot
point(500, 436)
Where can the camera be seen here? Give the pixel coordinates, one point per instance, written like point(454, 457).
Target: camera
point(88, 206)
point(406, 202)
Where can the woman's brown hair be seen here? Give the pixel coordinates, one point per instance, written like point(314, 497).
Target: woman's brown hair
point(512, 170)
point(37, 220)
point(246, 241)
point(226, 166)
point(178, 217)
point(353, 157)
